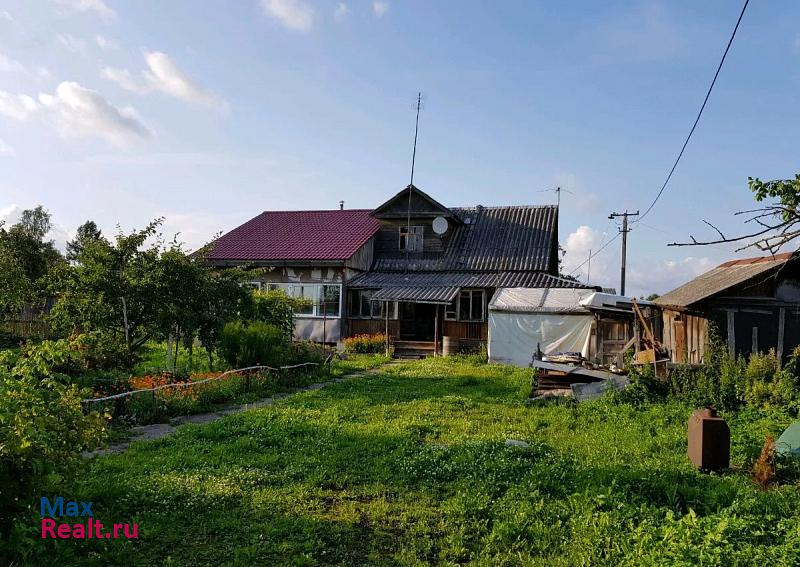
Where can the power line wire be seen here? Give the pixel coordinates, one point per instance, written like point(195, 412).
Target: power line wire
point(699, 114)
point(579, 266)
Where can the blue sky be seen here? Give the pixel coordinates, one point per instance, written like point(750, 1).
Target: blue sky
point(210, 112)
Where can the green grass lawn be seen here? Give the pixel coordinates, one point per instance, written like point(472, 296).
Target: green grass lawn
point(409, 467)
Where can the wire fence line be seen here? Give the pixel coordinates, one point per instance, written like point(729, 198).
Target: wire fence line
point(190, 383)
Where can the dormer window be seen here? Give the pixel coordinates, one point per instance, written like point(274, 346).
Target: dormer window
point(410, 239)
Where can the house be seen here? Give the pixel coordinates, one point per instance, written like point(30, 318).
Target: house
point(435, 269)
point(753, 303)
point(600, 326)
point(309, 254)
point(412, 268)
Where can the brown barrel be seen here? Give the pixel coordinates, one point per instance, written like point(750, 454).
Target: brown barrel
point(449, 345)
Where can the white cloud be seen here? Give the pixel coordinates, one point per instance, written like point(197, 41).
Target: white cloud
point(5, 15)
point(78, 112)
point(379, 8)
point(6, 150)
point(105, 43)
point(9, 65)
point(19, 107)
point(9, 215)
point(83, 113)
point(577, 248)
point(124, 79)
point(645, 275)
point(72, 43)
point(293, 14)
point(341, 12)
point(164, 76)
point(99, 7)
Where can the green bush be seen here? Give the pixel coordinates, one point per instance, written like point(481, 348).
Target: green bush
point(9, 339)
point(307, 351)
point(253, 343)
point(102, 351)
point(366, 344)
point(43, 429)
point(730, 383)
point(275, 308)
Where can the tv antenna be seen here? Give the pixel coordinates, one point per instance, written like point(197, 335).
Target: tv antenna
point(557, 191)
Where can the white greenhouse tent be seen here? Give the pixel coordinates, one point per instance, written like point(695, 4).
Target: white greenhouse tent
point(552, 320)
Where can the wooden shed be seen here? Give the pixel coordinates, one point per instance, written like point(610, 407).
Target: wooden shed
point(754, 304)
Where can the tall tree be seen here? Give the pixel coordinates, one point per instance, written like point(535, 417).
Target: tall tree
point(113, 288)
point(87, 232)
point(26, 242)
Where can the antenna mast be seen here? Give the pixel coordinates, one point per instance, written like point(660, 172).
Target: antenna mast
point(416, 130)
point(411, 184)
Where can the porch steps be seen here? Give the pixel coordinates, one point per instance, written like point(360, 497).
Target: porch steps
point(413, 349)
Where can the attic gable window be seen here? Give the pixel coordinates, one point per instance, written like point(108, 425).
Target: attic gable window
point(410, 238)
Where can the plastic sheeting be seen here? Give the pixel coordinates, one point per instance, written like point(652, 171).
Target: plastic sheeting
point(540, 299)
point(513, 336)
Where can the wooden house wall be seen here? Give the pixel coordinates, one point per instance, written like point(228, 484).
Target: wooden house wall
point(361, 261)
point(388, 238)
point(371, 326)
point(685, 336)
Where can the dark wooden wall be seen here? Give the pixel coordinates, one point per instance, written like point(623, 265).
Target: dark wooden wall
point(387, 239)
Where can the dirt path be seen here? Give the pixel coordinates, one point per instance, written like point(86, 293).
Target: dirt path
point(158, 430)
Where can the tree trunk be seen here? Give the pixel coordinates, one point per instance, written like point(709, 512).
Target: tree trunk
point(125, 321)
point(177, 346)
point(169, 352)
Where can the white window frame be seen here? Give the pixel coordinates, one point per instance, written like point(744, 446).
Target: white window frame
point(408, 231)
point(316, 303)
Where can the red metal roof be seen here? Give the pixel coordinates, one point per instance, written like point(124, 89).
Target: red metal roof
point(297, 235)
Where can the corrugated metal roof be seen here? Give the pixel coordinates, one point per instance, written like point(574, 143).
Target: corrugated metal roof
point(490, 238)
point(722, 277)
point(417, 294)
point(540, 300)
point(297, 235)
point(375, 280)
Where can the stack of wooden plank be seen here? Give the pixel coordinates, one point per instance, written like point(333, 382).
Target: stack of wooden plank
point(554, 376)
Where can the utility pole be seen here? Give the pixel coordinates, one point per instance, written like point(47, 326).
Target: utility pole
point(624, 230)
point(589, 267)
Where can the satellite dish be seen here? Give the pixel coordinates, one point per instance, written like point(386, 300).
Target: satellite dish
point(440, 225)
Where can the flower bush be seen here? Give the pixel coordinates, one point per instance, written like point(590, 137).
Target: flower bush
point(366, 344)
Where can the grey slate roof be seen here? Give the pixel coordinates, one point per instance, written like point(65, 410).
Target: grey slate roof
point(490, 238)
point(375, 280)
point(417, 294)
point(721, 278)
